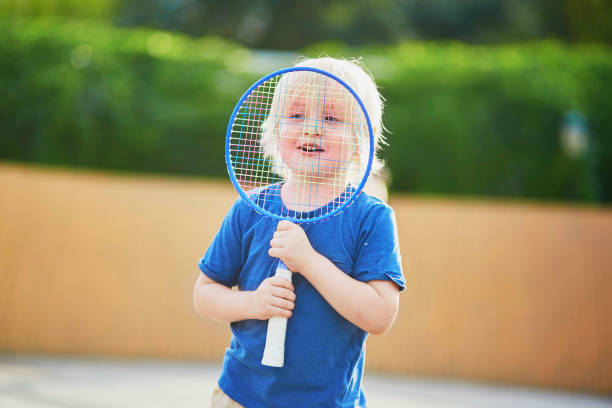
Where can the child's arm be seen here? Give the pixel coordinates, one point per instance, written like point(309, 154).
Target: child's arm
point(372, 306)
point(273, 297)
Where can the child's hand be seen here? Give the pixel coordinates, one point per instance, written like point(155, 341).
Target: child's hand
point(273, 297)
point(291, 244)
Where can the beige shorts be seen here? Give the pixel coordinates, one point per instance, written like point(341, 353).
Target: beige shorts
point(220, 400)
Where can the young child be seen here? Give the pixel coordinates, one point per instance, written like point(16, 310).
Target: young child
point(346, 283)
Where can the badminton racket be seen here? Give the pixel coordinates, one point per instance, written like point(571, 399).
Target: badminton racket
point(299, 147)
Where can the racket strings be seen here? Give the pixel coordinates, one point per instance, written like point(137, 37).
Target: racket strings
point(303, 129)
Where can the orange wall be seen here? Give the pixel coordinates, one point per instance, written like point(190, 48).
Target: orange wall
point(94, 263)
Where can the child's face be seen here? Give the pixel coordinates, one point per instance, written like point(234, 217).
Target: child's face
point(318, 131)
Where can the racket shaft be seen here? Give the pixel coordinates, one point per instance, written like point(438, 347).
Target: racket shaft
point(274, 351)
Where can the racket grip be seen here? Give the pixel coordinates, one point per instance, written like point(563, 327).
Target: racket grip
point(274, 351)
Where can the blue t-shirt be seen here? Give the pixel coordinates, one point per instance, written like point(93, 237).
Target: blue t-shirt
point(324, 352)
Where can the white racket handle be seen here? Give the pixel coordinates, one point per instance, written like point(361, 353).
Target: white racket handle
point(274, 351)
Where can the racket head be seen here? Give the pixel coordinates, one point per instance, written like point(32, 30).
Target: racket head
point(255, 174)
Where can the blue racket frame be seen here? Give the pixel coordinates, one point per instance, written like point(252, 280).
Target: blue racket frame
point(230, 170)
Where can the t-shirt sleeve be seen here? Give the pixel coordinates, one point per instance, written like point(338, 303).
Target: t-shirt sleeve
point(222, 261)
point(378, 257)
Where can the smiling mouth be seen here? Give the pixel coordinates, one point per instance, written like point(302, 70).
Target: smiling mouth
point(311, 148)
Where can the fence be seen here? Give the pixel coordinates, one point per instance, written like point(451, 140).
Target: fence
point(94, 263)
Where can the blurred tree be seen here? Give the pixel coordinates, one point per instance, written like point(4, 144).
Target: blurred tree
point(100, 9)
point(86, 93)
point(589, 20)
point(288, 24)
point(293, 24)
point(529, 120)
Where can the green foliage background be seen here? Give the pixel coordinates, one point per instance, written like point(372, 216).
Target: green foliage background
point(126, 109)
point(486, 120)
point(463, 119)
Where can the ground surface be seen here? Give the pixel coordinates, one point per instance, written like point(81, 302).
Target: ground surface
point(51, 382)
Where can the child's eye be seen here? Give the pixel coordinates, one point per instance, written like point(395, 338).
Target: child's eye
point(296, 116)
point(331, 118)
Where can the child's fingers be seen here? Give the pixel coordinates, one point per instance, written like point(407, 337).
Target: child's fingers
point(284, 233)
point(278, 311)
point(283, 304)
point(277, 243)
point(276, 252)
point(284, 225)
point(280, 282)
point(283, 293)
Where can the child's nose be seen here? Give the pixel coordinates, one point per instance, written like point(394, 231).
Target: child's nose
point(312, 128)
point(312, 132)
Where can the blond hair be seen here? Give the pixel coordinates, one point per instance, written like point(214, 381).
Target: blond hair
point(357, 77)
